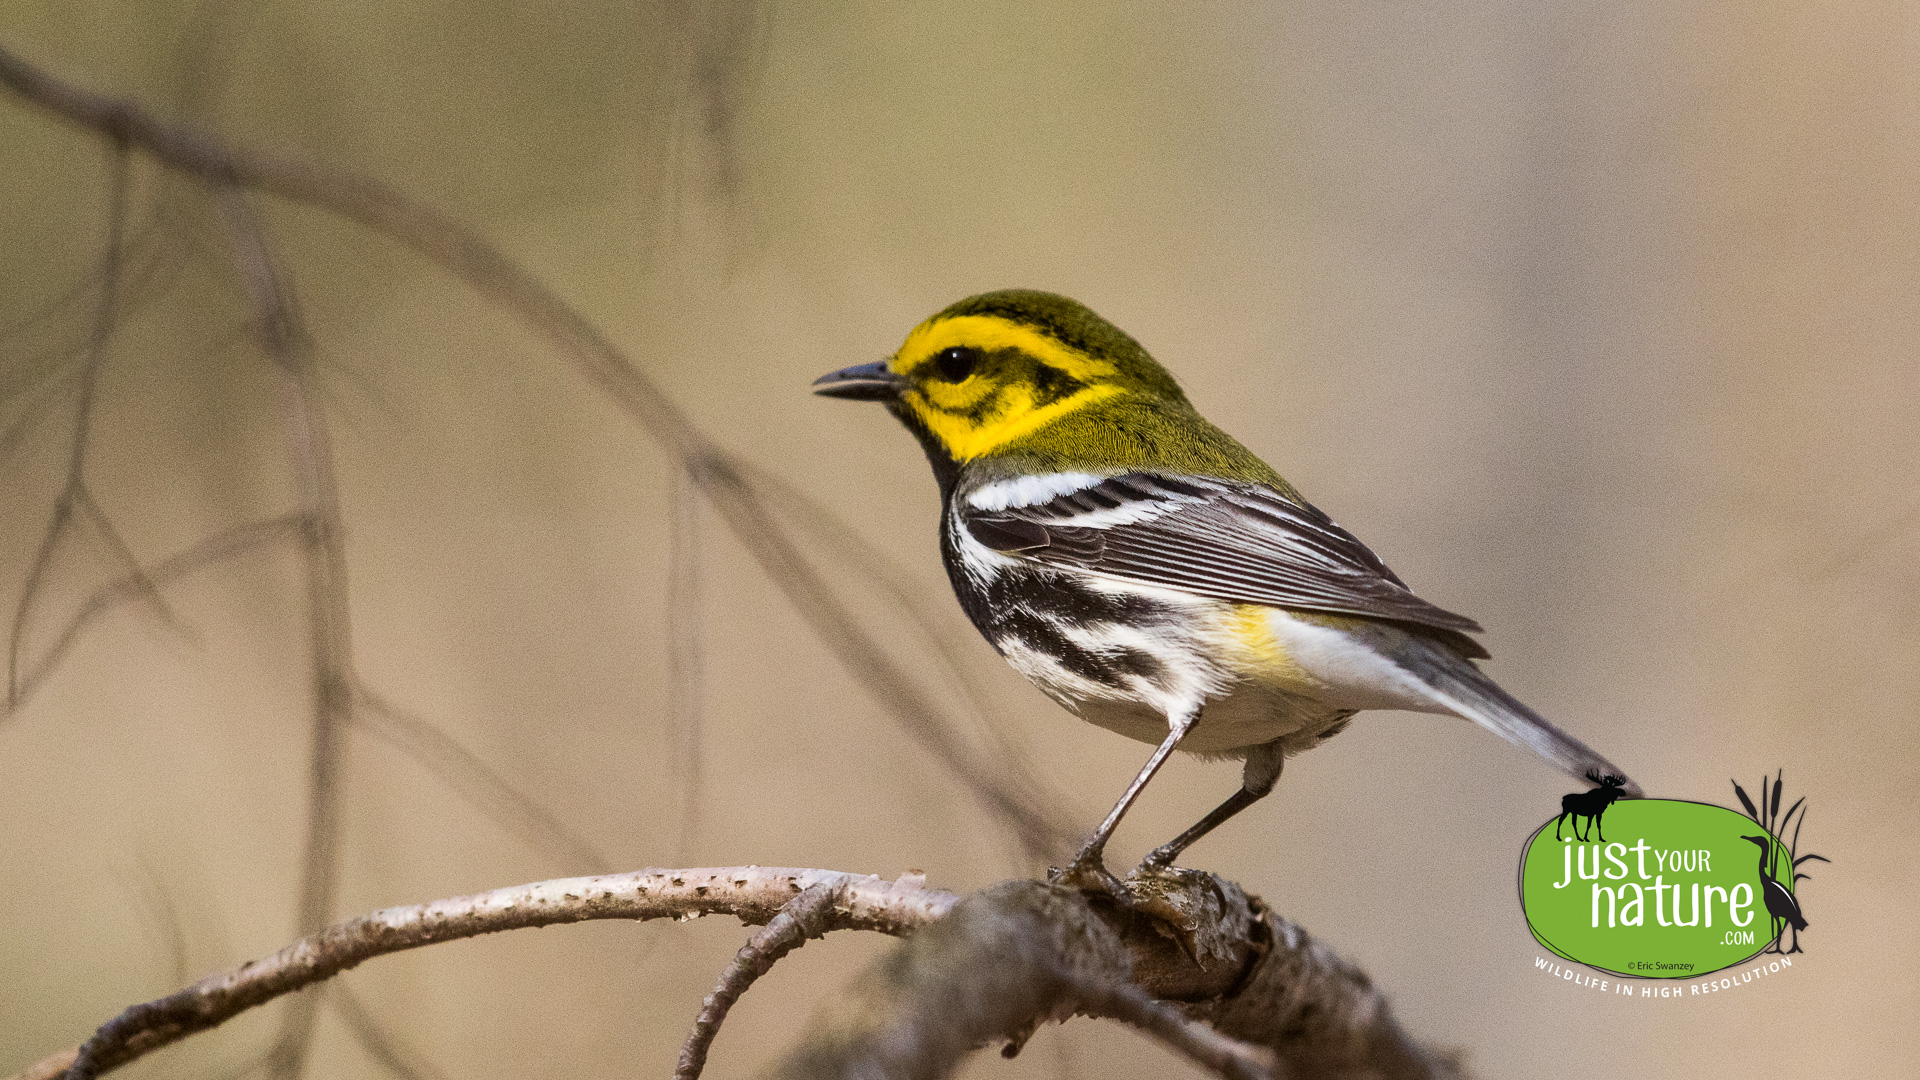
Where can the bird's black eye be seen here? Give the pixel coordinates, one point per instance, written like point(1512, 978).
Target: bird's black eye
point(956, 363)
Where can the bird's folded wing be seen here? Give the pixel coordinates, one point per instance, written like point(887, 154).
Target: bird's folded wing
point(1231, 541)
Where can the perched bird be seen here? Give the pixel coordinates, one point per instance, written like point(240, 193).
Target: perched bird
point(1151, 574)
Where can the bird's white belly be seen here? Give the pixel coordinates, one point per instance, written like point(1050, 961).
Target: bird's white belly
point(1242, 717)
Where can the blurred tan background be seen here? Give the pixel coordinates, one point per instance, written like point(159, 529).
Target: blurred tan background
point(1597, 321)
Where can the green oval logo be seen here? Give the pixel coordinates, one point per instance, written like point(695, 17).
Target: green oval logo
point(1656, 888)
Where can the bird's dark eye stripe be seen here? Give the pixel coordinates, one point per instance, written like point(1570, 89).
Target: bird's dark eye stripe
point(1051, 384)
point(956, 363)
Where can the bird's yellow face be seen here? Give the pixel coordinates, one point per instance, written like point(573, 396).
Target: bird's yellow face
point(1033, 376)
point(979, 383)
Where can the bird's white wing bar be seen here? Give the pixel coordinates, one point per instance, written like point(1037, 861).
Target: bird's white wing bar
point(1224, 539)
point(1028, 490)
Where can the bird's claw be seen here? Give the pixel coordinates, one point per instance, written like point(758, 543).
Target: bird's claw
point(1158, 859)
point(1088, 874)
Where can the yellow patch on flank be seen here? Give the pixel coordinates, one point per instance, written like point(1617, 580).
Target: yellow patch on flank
point(1251, 627)
point(990, 332)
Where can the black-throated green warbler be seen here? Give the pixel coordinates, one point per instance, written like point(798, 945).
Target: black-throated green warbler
point(1150, 573)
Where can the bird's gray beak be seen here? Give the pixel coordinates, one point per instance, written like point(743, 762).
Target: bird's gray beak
point(862, 382)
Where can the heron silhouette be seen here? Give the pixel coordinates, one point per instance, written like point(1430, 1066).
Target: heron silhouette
point(1780, 903)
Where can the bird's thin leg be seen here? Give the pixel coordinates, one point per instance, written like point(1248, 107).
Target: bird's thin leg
point(1164, 855)
point(1262, 770)
point(1087, 870)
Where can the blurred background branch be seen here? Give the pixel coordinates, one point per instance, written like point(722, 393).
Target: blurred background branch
point(339, 692)
point(725, 480)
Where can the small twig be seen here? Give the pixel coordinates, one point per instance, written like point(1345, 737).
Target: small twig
point(1055, 822)
point(715, 45)
point(1200, 1043)
point(75, 503)
point(36, 409)
point(157, 902)
point(376, 1040)
point(1868, 542)
point(919, 712)
point(208, 552)
point(45, 340)
point(805, 916)
point(464, 771)
point(329, 619)
point(103, 318)
point(29, 592)
point(753, 894)
point(686, 660)
point(77, 492)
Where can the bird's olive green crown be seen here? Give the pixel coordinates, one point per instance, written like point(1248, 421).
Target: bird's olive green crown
point(1019, 381)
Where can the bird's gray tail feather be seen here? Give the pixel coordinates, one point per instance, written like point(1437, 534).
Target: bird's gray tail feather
point(1478, 698)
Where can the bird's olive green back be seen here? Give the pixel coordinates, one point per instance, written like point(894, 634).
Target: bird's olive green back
point(1055, 387)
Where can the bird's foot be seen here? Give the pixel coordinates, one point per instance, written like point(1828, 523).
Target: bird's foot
point(1188, 907)
point(1089, 874)
point(1159, 858)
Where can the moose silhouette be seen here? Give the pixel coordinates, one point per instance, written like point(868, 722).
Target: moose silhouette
point(1590, 804)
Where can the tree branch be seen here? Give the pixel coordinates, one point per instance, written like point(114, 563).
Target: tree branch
point(1188, 958)
point(805, 916)
point(753, 894)
point(1005, 960)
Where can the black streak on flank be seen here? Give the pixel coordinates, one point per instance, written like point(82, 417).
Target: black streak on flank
point(1031, 605)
